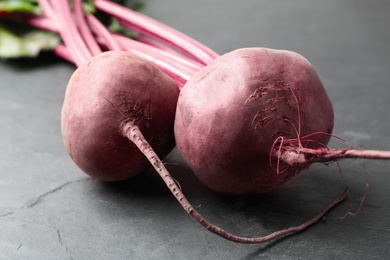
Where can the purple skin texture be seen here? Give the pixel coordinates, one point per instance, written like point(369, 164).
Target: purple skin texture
point(104, 96)
point(231, 112)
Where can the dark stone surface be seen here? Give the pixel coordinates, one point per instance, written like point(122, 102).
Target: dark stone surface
point(50, 210)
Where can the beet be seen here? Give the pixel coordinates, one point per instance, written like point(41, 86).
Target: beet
point(104, 97)
point(230, 114)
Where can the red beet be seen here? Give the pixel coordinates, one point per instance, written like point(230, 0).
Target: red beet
point(254, 118)
point(230, 114)
point(104, 98)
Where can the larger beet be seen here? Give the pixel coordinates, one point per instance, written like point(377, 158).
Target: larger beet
point(254, 118)
point(230, 114)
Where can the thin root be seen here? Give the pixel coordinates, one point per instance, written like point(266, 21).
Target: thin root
point(349, 213)
point(135, 135)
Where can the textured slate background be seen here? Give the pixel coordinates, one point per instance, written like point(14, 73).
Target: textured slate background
point(50, 210)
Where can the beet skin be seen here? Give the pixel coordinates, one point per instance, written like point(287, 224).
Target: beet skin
point(231, 112)
point(104, 94)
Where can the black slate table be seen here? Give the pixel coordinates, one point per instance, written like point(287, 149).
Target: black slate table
point(49, 209)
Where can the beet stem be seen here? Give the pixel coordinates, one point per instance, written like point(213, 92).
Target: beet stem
point(69, 31)
point(85, 31)
point(135, 135)
point(103, 32)
point(148, 26)
point(176, 66)
point(61, 51)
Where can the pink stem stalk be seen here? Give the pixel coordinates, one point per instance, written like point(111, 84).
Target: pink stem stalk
point(46, 7)
point(40, 22)
point(102, 31)
point(69, 32)
point(175, 73)
point(154, 56)
point(159, 45)
point(85, 31)
point(186, 65)
point(179, 68)
point(182, 59)
point(150, 27)
point(61, 51)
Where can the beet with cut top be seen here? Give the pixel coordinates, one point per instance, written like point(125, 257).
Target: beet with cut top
point(105, 98)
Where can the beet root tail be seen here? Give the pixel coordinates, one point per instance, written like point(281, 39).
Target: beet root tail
point(135, 135)
point(295, 156)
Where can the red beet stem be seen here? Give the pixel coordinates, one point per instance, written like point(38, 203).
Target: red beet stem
point(180, 68)
point(69, 31)
point(85, 31)
point(103, 32)
point(148, 26)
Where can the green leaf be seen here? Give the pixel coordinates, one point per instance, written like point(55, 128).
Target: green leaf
point(12, 6)
point(137, 6)
point(88, 7)
point(25, 42)
point(115, 26)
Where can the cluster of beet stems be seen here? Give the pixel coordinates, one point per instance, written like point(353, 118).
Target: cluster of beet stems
point(84, 36)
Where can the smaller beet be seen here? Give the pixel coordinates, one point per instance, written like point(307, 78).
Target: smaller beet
point(109, 97)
